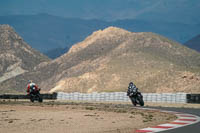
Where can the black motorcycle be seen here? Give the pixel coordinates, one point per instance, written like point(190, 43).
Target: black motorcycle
point(136, 97)
point(35, 95)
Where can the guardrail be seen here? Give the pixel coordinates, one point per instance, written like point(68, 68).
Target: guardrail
point(21, 96)
point(193, 98)
point(122, 97)
point(115, 97)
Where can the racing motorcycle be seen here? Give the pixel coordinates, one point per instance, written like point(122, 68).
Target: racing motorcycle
point(35, 95)
point(136, 97)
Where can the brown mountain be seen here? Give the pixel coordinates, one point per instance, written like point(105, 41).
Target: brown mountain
point(109, 59)
point(194, 43)
point(16, 57)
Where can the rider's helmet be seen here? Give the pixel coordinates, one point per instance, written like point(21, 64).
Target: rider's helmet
point(131, 84)
point(30, 81)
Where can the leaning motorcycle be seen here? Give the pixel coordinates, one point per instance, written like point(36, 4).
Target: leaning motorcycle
point(136, 98)
point(35, 95)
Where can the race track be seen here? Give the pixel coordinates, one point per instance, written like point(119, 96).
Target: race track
point(67, 107)
point(194, 128)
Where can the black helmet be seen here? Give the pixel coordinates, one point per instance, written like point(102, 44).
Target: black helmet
point(131, 84)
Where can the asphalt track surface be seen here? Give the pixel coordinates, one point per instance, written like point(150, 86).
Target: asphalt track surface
point(194, 128)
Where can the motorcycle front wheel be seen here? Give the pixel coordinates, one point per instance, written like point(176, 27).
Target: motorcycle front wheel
point(141, 101)
point(32, 99)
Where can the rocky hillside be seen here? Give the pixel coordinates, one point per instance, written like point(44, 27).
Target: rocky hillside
point(16, 57)
point(194, 43)
point(109, 59)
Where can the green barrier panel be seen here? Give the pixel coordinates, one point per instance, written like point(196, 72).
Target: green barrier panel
point(15, 96)
point(193, 98)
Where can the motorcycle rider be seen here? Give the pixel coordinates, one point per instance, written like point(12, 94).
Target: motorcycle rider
point(133, 94)
point(132, 88)
point(31, 86)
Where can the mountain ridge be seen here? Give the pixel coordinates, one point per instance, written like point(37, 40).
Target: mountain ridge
point(176, 11)
point(104, 50)
point(46, 32)
point(16, 57)
point(108, 59)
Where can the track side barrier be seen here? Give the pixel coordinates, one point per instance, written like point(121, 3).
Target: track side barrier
point(21, 96)
point(122, 97)
point(115, 97)
point(193, 98)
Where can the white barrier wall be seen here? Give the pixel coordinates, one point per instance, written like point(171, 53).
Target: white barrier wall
point(122, 97)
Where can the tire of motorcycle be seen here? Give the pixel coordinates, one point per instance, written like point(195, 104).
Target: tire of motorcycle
point(32, 99)
point(141, 102)
point(133, 101)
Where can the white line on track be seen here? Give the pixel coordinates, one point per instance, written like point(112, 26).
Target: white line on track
point(183, 119)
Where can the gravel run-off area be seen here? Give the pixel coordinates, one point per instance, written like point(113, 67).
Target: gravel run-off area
point(76, 117)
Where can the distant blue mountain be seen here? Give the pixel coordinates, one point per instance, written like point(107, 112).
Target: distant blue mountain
point(45, 32)
point(49, 33)
point(54, 53)
point(177, 11)
point(175, 31)
point(194, 43)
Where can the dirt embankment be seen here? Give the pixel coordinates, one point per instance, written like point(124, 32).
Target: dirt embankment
point(50, 117)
